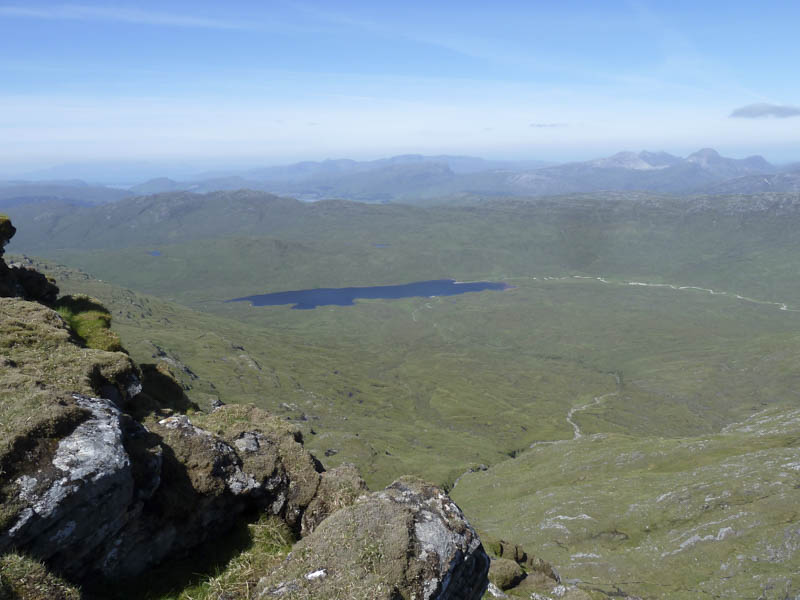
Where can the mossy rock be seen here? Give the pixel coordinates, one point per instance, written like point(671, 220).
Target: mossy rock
point(505, 573)
point(235, 423)
point(338, 488)
point(41, 367)
point(516, 553)
point(407, 541)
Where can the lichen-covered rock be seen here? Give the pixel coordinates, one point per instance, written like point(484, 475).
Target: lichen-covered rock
point(407, 541)
point(109, 495)
point(516, 573)
point(41, 370)
point(75, 500)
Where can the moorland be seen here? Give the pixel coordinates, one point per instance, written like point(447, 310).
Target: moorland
point(628, 407)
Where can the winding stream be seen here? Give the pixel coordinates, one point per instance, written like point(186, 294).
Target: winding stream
point(575, 427)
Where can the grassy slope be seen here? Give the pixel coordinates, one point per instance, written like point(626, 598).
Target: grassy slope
point(470, 379)
point(709, 516)
point(394, 412)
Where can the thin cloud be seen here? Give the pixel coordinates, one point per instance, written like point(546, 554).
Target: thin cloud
point(84, 12)
point(547, 125)
point(763, 110)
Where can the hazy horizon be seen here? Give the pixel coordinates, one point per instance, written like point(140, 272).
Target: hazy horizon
point(129, 171)
point(256, 84)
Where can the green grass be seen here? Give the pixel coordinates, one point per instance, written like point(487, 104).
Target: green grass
point(90, 321)
point(23, 578)
point(475, 378)
point(681, 518)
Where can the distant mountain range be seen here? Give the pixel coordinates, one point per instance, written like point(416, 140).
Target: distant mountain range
point(421, 179)
point(74, 191)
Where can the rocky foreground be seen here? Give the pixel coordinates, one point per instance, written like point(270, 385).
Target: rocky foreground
point(108, 470)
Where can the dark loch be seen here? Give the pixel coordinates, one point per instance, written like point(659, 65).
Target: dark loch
point(307, 299)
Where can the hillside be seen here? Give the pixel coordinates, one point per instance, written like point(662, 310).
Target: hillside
point(732, 242)
point(676, 314)
point(708, 516)
point(108, 471)
point(74, 192)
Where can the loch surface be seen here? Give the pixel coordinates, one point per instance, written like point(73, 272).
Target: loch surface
point(307, 299)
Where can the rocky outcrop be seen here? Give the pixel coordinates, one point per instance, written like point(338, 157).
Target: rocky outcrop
point(407, 541)
point(21, 281)
point(79, 497)
point(116, 497)
point(90, 490)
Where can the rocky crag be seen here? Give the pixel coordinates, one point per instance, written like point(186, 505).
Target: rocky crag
point(20, 281)
point(104, 475)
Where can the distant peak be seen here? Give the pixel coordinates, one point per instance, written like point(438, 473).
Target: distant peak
point(705, 157)
point(629, 160)
point(705, 153)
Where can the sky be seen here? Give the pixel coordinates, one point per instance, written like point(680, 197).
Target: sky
point(269, 82)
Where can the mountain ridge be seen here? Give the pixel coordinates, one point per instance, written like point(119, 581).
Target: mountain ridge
point(418, 178)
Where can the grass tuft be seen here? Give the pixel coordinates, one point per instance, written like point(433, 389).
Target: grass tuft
point(23, 578)
point(90, 321)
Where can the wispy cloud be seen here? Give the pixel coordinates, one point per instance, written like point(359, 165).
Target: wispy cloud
point(763, 110)
point(86, 12)
point(547, 125)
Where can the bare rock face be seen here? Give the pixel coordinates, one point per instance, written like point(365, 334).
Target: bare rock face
point(407, 541)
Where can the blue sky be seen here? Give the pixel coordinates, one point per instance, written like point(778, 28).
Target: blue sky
point(267, 82)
